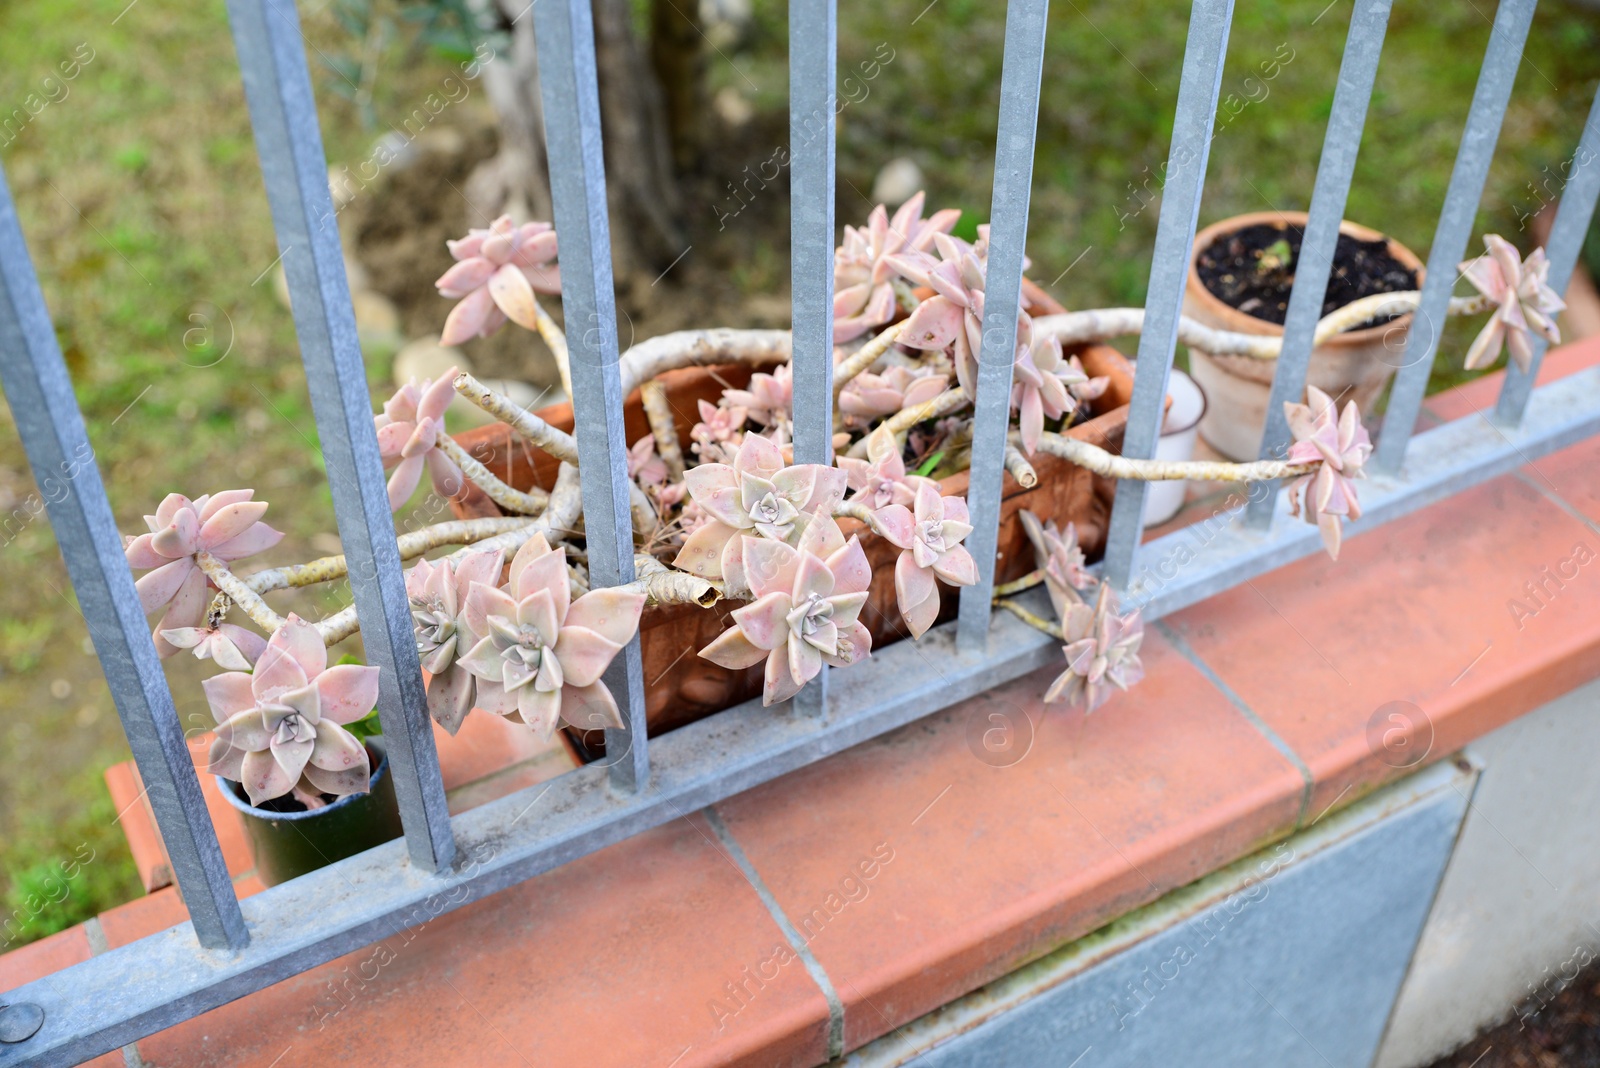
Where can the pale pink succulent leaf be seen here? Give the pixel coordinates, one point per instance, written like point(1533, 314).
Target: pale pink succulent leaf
point(160, 586)
point(228, 694)
point(258, 538)
point(734, 650)
point(465, 276)
point(263, 778)
point(467, 319)
point(764, 621)
point(957, 567)
point(702, 551)
point(584, 655)
point(612, 613)
point(590, 707)
point(347, 692)
point(513, 294)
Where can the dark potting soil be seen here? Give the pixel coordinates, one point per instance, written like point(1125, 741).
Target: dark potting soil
point(1252, 269)
point(289, 803)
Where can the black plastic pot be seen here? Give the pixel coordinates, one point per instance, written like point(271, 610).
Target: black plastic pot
point(287, 844)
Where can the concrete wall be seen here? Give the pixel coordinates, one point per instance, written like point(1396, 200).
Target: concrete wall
point(1288, 959)
point(1519, 907)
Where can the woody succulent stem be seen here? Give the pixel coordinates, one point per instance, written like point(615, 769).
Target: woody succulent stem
point(1109, 465)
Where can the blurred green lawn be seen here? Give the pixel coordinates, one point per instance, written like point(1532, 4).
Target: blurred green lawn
point(139, 193)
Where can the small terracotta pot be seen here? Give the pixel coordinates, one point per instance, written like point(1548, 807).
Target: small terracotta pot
point(1354, 365)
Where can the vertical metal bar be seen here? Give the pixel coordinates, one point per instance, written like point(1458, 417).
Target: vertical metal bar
point(564, 30)
point(42, 402)
point(1201, 81)
point(1021, 73)
point(1566, 242)
point(812, 60)
point(283, 115)
point(1450, 238)
point(1340, 144)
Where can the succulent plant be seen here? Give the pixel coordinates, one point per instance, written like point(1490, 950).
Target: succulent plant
point(1102, 648)
point(644, 466)
point(757, 495)
point(1061, 559)
point(1328, 496)
point(953, 316)
point(281, 727)
point(930, 535)
point(438, 592)
point(806, 612)
point(227, 525)
point(539, 654)
point(768, 400)
point(881, 480)
point(1045, 384)
point(863, 290)
point(232, 647)
point(408, 433)
point(499, 270)
point(1526, 302)
point(870, 396)
point(717, 435)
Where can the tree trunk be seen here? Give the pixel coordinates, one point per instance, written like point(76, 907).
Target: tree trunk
point(679, 63)
point(641, 190)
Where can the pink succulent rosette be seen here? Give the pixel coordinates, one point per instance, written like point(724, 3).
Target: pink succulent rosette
point(869, 396)
point(757, 495)
point(1048, 385)
point(227, 525)
point(1328, 496)
point(930, 537)
point(539, 654)
point(718, 434)
point(282, 727)
point(232, 647)
point(1060, 557)
point(953, 317)
point(1527, 304)
point(409, 430)
point(438, 592)
point(768, 400)
point(863, 289)
point(1102, 651)
point(806, 612)
point(499, 271)
point(881, 480)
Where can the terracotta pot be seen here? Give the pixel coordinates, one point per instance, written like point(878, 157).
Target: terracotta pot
point(1354, 365)
point(680, 686)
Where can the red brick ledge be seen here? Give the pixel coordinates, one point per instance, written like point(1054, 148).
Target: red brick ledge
point(908, 871)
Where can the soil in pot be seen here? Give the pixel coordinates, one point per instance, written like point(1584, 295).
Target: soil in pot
point(1253, 269)
point(287, 839)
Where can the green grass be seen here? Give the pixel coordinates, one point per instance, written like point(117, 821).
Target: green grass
point(1110, 85)
point(140, 196)
point(139, 193)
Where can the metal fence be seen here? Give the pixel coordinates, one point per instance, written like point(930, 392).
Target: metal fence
point(231, 948)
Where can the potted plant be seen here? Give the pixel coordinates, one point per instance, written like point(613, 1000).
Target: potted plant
point(820, 563)
point(293, 750)
point(1240, 275)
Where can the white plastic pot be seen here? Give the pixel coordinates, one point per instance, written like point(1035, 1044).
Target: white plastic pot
point(1162, 500)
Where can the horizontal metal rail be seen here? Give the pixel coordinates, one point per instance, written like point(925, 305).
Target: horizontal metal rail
point(98, 1006)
